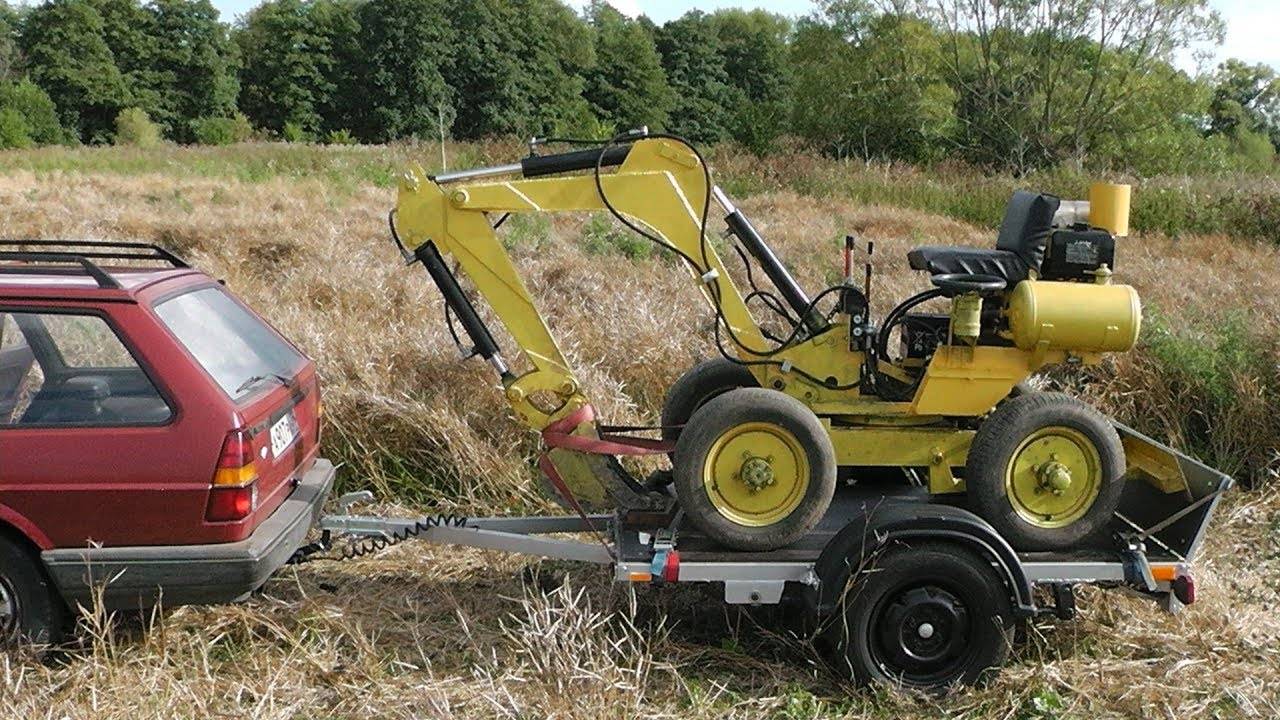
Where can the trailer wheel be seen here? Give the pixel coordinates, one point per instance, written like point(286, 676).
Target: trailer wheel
point(31, 610)
point(926, 616)
point(702, 383)
point(754, 469)
point(1046, 470)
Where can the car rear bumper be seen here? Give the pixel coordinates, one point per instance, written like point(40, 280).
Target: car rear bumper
point(142, 577)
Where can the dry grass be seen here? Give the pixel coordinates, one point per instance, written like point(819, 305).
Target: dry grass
point(423, 632)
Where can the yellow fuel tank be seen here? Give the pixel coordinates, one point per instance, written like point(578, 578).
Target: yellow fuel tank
point(1074, 316)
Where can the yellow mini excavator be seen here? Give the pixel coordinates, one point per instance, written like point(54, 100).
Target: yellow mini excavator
point(759, 437)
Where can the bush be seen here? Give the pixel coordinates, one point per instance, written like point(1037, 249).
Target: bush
point(339, 137)
point(34, 105)
point(221, 130)
point(294, 132)
point(1212, 387)
point(14, 130)
point(604, 236)
point(134, 127)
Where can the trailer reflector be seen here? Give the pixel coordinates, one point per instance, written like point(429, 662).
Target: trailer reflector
point(671, 568)
point(1184, 588)
point(634, 576)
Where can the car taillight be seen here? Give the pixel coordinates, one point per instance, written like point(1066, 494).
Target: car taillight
point(319, 413)
point(235, 481)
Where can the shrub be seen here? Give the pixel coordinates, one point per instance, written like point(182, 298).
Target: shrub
point(221, 130)
point(134, 127)
point(34, 105)
point(295, 133)
point(339, 137)
point(14, 130)
point(603, 236)
point(1211, 386)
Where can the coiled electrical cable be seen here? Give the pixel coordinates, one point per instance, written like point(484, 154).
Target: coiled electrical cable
point(376, 543)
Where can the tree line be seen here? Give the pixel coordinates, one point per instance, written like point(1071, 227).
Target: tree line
point(1013, 86)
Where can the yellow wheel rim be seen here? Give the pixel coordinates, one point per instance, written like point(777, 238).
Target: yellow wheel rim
point(756, 474)
point(1054, 477)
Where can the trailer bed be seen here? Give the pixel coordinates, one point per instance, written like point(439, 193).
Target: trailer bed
point(1154, 537)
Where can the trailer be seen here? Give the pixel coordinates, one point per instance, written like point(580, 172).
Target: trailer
point(895, 584)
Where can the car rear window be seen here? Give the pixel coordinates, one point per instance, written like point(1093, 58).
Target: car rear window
point(232, 344)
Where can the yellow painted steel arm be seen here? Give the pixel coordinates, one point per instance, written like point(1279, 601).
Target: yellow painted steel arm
point(660, 186)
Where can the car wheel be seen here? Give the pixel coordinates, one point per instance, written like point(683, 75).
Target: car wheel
point(31, 610)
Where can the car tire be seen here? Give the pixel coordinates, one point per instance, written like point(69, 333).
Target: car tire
point(878, 634)
point(31, 609)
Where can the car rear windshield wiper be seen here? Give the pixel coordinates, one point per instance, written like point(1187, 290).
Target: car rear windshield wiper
point(259, 378)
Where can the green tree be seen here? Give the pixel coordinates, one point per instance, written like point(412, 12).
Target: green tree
point(8, 41)
point(193, 64)
point(1045, 82)
point(406, 47)
point(36, 109)
point(870, 85)
point(706, 103)
point(1246, 98)
point(754, 46)
point(626, 86)
point(516, 67)
point(65, 54)
point(129, 31)
point(284, 64)
point(337, 23)
point(297, 64)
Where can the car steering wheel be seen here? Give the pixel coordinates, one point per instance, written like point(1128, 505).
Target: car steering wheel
point(953, 284)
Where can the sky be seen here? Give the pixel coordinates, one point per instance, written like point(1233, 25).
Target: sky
point(1251, 24)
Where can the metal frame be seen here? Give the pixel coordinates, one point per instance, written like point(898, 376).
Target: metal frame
point(746, 582)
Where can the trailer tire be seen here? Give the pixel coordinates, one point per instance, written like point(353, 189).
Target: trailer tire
point(701, 384)
point(926, 615)
point(754, 469)
point(1016, 443)
point(31, 609)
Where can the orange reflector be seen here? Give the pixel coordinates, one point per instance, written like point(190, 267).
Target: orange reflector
point(235, 477)
point(1164, 573)
point(640, 577)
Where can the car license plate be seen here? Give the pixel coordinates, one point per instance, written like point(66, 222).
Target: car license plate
point(283, 433)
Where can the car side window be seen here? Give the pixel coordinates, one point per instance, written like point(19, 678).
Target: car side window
point(64, 369)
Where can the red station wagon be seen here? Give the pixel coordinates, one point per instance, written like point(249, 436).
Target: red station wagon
point(158, 439)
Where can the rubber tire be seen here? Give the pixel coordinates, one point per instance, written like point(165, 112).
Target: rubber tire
point(42, 614)
point(734, 408)
point(994, 444)
point(956, 568)
point(702, 383)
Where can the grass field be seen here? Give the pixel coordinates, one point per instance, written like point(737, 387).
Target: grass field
point(301, 234)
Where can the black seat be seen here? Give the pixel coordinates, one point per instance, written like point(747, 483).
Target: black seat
point(1028, 221)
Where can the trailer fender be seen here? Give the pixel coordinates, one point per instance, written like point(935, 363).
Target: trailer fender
point(885, 522)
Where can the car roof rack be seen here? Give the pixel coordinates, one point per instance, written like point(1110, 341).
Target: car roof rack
point(83, 253)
